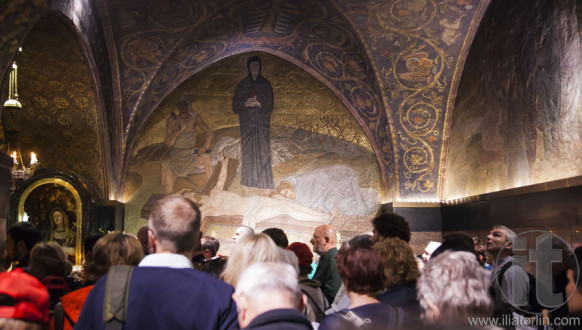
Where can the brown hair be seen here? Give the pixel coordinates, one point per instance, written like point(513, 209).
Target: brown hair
point(392, 225)
point(110, 250)
point(49, 258)
point(398, 259)
point(49, 264)
point(361, 270)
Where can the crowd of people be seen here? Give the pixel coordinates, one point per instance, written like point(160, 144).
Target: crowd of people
point(170, 276)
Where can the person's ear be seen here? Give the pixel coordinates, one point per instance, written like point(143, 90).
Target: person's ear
point(241, 308)
point(509, 245)
point(152, 241)
point(206, 253)
point(433, 313)
point(302, 303)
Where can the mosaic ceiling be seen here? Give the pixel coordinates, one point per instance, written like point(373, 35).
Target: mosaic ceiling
point(395, 65)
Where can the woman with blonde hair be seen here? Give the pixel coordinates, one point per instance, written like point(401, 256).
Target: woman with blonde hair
point(250, 249)
point(110, 250)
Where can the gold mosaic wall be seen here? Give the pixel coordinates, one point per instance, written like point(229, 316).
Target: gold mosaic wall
point(301, 101)
point(58, 119)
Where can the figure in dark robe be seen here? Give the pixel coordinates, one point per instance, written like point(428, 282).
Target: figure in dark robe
point(253, 102)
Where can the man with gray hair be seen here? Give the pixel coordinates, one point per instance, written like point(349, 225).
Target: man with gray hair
point(268, 297)
point(165, 292)
point(210, 246)
point(509, 282)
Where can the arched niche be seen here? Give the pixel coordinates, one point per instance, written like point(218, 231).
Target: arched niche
point(36, 199)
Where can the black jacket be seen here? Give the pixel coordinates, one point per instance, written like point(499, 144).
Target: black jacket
point(281, 319)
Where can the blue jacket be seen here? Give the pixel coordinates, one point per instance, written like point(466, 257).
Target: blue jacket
point(167, 298)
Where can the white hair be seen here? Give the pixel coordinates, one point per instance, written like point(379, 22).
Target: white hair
point(261, 279)
point(245, 230)
point(457, 284)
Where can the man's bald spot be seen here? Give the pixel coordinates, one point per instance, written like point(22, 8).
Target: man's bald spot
point(327, 231)
point(175, 222)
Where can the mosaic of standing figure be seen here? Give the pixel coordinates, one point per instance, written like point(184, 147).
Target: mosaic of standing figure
point(253, 103)
point(305, 164)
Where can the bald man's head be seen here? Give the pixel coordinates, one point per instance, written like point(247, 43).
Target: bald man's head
point(324, 239)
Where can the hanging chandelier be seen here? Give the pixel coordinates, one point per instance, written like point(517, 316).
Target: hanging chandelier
point(20, 172)
point(12, 102)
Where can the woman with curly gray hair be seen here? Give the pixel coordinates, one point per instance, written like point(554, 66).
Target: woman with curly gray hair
point(453, 288)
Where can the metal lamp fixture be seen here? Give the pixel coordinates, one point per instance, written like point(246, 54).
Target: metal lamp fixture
point(12, 102)
point(20, 172)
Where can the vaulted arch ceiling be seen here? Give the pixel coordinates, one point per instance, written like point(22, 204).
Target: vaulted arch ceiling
point(394, 64)
point(315, 37)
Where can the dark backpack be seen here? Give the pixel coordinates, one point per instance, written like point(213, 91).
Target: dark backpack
point(318, 310)
point(57, 287)
point(116, 296)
